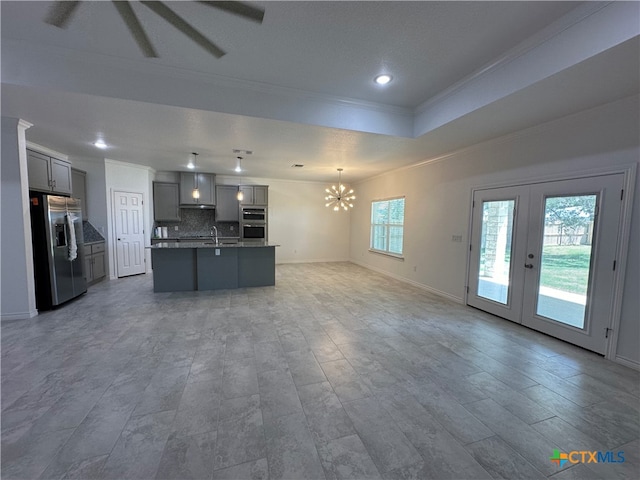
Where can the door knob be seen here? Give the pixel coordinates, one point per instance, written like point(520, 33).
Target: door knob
point(528, 265)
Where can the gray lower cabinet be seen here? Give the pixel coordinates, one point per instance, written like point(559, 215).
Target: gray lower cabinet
point(48, 174)
point(188, 269)
point(216, 269)
point(227, 205)
point(94, 262)
point(206, 187)
point(166, 201)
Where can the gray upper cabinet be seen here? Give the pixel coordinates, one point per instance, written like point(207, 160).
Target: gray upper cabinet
point(38, 168)
point(260, 195)
point(61, 176)
point(255, 194)
point(48, 174)
point(206, 186)
point(247, 194)
point(227, 205)
point(79, 190)
point(166, 201)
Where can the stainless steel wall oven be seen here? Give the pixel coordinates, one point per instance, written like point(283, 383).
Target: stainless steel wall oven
point(254, 214)
point(253, 224)
point(254, 231)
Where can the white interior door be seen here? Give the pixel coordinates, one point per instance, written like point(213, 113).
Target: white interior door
point(543, 255)
point(129, 223)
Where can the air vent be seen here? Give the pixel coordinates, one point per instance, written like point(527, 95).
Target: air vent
point(297, 165)
point(242, 152)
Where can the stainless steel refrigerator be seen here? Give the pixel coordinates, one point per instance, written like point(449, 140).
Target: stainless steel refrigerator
point(55, 223)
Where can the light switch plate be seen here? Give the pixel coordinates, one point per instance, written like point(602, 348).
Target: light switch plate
point(217, 252)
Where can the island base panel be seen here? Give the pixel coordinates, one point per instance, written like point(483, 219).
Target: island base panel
point(256, 267)
point(173, 270)
point(217, 272)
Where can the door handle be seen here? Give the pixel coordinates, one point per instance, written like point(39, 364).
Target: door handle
point(528, 265)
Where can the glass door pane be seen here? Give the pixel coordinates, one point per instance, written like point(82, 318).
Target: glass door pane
point(495, 250)
point(565, 264)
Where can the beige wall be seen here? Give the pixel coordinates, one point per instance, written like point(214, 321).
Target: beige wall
point(128, 177)
point(438, 199)
point(17, 288)
point(305, 229)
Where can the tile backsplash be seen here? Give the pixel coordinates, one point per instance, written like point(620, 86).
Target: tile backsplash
point(195, 222)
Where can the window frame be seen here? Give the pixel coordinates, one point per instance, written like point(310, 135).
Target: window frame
point(387, 228)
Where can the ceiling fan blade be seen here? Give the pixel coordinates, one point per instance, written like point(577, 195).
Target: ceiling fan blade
point(238, 8)
point(171, 17)
point(134, 26)
point(60, 13)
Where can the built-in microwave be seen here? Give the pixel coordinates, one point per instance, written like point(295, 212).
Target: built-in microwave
point(254, 214)
point(254, 231)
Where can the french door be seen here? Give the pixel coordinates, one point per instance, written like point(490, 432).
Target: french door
point(543, 255)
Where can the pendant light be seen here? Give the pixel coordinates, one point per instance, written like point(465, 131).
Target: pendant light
point(196, 192)
point(337, 197)
point(240, 195)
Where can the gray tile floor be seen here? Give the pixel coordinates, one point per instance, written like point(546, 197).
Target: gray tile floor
point(336, 372)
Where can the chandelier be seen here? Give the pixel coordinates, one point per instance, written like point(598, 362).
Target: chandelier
point(337, 197)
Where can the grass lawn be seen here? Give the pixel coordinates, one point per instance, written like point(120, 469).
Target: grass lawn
point(566, 267)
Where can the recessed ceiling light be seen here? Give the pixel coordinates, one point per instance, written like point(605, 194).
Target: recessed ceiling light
point(383, 79)
point(100, 144)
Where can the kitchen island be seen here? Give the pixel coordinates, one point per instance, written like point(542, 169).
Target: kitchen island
point(190, 266)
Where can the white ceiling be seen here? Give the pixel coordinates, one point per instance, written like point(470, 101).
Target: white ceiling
point(306, 60)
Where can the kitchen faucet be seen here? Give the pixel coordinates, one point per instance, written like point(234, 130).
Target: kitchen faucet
point(214, 234)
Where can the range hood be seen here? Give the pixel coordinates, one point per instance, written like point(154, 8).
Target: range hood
point(199, 207)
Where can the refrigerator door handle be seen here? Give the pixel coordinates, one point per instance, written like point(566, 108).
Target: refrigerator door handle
point(66, 232)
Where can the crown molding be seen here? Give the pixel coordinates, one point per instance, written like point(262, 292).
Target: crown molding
point(502, 139)
point(24, 124)
point(120, 163)
point(47, 151)
point(574, 17)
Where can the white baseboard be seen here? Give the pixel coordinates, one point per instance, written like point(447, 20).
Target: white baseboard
point(18, 315)
point(315, 260)
point(419, 285)
point(627, 363)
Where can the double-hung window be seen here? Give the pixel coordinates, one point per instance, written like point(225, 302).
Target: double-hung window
point(387, 226)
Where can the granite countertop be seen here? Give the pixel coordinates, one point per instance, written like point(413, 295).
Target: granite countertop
point(194, 238)
point(203, 244)
point(90, 234)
